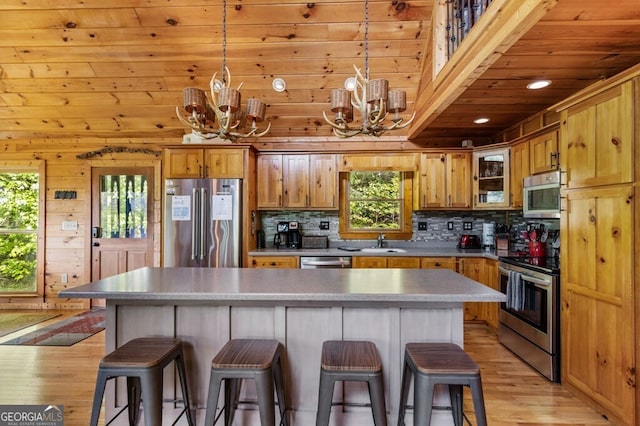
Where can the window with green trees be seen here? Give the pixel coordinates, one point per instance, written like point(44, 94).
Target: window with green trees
point(375, 200)
point(19, 213)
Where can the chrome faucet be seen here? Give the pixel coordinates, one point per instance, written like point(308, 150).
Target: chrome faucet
point(381, 238)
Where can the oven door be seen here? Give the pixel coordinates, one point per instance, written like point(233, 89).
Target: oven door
point(536, 320)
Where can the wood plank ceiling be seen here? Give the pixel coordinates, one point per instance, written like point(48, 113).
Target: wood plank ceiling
point(116, 68)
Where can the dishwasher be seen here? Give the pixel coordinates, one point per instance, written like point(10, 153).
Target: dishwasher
point(324, 262)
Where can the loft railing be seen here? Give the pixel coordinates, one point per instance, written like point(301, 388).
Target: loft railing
point(461, 15)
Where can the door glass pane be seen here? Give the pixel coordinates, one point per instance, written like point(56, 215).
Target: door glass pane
point(123, 206)
point(19, 208)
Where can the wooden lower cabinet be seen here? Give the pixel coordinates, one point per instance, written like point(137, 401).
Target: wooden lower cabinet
point(489, 311)
point(374, 262)
point(472, 267)
point(403, 262)
point(273, 262)
point(438, 263)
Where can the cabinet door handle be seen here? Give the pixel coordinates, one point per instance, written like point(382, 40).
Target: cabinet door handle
point(449, 200)
point(554, 159)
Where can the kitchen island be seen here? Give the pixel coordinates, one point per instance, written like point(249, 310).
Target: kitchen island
point(301, 309)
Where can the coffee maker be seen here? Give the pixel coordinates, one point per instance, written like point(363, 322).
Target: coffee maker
point(281, 238)
point(294, 235)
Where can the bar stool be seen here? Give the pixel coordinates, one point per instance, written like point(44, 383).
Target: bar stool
point(351, 361)
point(247, 359)
point(439, 363)
point(142, 361)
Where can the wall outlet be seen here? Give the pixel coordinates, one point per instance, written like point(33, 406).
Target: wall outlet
point(69, 225)
point(450, 226)
point(324, 224)
point(422, 226)
point(467, 226)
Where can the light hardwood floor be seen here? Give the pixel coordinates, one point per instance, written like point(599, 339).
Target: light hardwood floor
point(514, 393)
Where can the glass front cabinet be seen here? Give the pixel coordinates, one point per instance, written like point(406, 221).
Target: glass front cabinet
point(491, 179)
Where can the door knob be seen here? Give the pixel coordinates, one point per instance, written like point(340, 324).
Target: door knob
point(96, 244)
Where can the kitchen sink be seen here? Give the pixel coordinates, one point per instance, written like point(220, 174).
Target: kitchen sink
point(383, 250)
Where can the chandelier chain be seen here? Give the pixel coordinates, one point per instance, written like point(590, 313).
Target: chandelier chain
point(224, 40)
point(366, 38)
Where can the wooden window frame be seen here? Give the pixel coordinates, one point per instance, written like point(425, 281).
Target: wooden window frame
point(404, 233)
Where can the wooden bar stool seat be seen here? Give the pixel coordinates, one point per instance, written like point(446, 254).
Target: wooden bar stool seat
point(258, 359)
point(351, 361)
point(439, 363)
point(142, 362)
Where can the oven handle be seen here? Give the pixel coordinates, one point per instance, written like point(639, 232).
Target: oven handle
point(539, 283)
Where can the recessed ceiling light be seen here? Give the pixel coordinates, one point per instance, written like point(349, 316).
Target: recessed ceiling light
point(279, 85)
point(538, 84)
point(481, 120)
point(350, 84)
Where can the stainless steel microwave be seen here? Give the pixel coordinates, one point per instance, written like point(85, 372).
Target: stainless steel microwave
point(541, 195)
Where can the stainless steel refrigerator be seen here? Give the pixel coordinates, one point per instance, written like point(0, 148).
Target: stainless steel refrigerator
point(203, 223)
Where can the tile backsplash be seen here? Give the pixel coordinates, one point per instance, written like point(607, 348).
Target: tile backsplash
point(437, 225)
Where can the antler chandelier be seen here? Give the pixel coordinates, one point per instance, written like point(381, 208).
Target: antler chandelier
point(225, 105)
point(372, 99)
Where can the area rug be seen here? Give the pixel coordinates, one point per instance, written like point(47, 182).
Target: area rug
point(65, 332)
point(11, 322)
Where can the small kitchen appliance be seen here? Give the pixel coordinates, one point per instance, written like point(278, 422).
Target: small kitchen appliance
point(541, 195)
point(281, 237)
point(294, 235)
point(469, 241)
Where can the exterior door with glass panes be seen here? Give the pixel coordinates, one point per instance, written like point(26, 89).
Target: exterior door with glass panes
point(491, 179)
point(122, 210)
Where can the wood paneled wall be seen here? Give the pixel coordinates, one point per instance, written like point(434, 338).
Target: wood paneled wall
point(68, 168)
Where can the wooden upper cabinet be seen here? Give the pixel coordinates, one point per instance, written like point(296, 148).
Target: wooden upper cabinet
point(323, 181)
point(204, 163)
point(519, 169)
point(597, 138)
point(184, 163)
point(432, 181)
point(444, 181)
point(378, 162)
point(459, 180)
point(491, 179)
point(269, 181)
point(297, 181)
point(224, 163)
point(544, 153)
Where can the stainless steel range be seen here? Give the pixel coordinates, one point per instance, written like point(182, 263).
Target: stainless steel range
point(529, 322)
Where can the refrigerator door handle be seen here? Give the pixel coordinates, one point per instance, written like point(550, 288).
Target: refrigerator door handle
point(194, 222)
point(203, 222)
